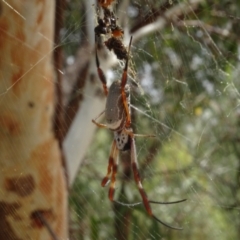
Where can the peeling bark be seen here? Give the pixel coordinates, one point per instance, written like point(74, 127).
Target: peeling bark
point(32, 177)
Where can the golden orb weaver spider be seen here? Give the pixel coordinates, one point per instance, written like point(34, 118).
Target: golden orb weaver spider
point(118, 118)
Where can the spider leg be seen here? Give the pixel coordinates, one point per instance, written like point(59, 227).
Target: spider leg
point(150, 201)
point(123, 83)
point(100, 125)
point(110, 164)
point(173, 202)
point(138, 181)
point(137, 177)
point(112, 169)
point(114, 172)
point(101, 75)
point(144, 135)
point(131, 134)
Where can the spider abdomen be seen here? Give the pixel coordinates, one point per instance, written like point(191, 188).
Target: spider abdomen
point(115, 112)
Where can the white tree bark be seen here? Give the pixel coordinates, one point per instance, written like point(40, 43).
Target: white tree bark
point(32, 179)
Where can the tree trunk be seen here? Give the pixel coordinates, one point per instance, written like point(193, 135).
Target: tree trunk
point(33, 194)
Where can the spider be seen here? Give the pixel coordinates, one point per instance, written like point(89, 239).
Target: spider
point(118, 120)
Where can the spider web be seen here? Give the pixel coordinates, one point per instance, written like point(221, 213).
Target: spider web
point(188, 82)
point(183, 74)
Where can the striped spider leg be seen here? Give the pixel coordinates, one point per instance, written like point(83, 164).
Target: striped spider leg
point(118, 120)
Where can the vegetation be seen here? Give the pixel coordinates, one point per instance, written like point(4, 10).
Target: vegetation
point(188, 70)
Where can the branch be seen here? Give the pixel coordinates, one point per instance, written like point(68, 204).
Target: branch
point(85, 100)
point(173, 13)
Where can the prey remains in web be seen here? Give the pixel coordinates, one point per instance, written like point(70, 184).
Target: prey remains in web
point(107, 26)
